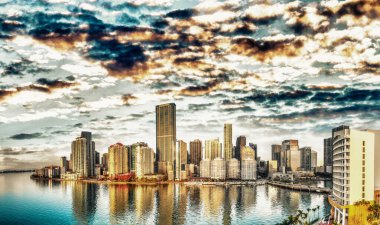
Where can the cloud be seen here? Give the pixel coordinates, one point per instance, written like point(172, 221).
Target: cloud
point(128, 99)
point(12, 151)
point(25, 136)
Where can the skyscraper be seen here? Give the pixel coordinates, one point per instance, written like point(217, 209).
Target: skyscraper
point(212, 149)
point(165, 135)
point(181, 158)
point(356, 169)
point(228, 141)
point(105, 161)
point(240, 142)
point(276, 155)
point(118, 160)
point(314, 159)
point(195, 152)
point(306, 158)
point(254, 147)
point(83, 154)
point(290, 155)
point(327, 154)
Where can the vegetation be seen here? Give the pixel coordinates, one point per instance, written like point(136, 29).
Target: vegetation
point(301, 217)
point(365, 212)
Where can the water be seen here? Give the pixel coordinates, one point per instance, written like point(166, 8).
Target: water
point(26, 201)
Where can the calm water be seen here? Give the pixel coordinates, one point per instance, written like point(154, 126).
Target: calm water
point(25, 201)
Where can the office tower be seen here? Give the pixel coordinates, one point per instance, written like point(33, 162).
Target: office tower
point(248, 169)
point(290, 156)
point(254, 147)
point(327, 154)
point(227, 141)
point(212, 149)
point(356, 169)
point(118, 160)
point(144, 160)
point(314, 159)
point(97, 158)
point(218, 169)
point(105, 161)
point(183, 152)
point(240, 142)
point(80, 156)
point(132, 155)
point(90, 155)
point(205, 168)
point(233, 168)
point(306, 158)
point(64, 164)
point(272, 168)
point(165, 136)
point(195, 152)
point(276, 154)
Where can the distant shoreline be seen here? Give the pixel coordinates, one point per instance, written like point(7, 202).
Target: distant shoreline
point(152, 183)
point(16, 171)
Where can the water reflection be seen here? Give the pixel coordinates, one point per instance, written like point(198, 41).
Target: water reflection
point(182, 204)
point(84, 197)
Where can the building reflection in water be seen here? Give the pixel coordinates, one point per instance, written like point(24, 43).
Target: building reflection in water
point(143, 196)
point(84, 197)
point(165, 204)
point(118, 200)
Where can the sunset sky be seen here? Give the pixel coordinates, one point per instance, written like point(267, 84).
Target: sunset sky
point(274, 69)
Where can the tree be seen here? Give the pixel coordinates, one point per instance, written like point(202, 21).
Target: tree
point(374, 214)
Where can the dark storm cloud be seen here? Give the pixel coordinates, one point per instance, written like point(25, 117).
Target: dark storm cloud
point(201, 89)
point(22, 67)
point(198, 107)
point(53, 84)
point(181, 14)
point(267, 49)
point(11, 151)
point(79, 125)
point(273, 97)
point(25, 136)
point(365, 111)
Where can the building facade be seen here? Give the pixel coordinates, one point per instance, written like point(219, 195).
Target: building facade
point(213, 149)
point(314, 159)
point(327, 154)
point(218, 169)
point(195, 152)
point(354, 165)
point(233, 169)
point(276, 154)
point(306, 158)
point(241, 141)
point(165, 135)
point(118, 160)
point(81, 157)
point(228, 154)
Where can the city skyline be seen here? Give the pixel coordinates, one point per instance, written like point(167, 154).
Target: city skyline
point(275, 69)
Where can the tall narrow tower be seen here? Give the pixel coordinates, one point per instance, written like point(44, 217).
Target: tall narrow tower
point(227, 141)
point(165, 136)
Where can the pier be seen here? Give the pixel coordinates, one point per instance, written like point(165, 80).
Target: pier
point(301, 187)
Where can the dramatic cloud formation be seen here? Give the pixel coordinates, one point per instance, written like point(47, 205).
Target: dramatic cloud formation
point(275, 69)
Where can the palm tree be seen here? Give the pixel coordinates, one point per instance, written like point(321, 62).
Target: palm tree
point(308, 211)
point(318, 210)
point(314, 209)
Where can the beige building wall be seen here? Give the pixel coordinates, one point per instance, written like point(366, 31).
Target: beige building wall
point(212, 149)
point(361, 166)
point(118, 159)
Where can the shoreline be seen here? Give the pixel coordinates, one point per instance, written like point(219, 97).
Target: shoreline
point(152, 183)
point(301, 187)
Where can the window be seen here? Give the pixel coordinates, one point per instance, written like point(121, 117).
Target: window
point(363, 143)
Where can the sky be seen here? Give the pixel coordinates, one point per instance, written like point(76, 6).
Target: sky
point(274, 69)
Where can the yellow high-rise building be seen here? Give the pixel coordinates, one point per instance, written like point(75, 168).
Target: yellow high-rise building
point(117, 159)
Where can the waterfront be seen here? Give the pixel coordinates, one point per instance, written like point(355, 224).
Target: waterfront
point(26, 201)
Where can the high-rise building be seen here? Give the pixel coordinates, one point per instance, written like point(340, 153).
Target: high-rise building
point(181, 158)
point(327, 154)
point(144, 160)
point(132, 155)
point(233, 168)
point(355, 169)
point(90, 155)
point(195, 152)
point(105, 161)
point(205, 168)
point(306, 158)
point(83, 155)
point(254, 147)
point(228, 141)
point(213, 149)
point(165, 136)
point(272, 167)
point(241, 141)
point(218, 169)
point(248, 164)
point(290, 156)
point(64, 165)
point(118, 160)
point(97, 158)
point(314, 159)
point(276, 154)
